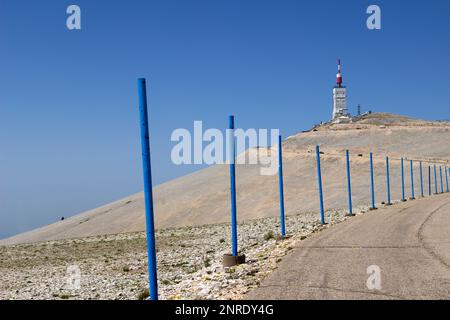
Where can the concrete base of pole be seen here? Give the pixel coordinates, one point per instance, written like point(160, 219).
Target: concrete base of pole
point(280, 238)
point(371, 209)
point(229, 260)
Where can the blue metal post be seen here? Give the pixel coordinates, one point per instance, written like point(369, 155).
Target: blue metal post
point(349, 185)
point(372, 185)
point(411, 165)
point(403, 181)
point(319, 178)
point(429, 180)
point(440, 174)
point(388, 183)
point(435, 181)
point(233, 188)
point(421, 179)
point(146, 165)
point(280, 181)
point(446, 176)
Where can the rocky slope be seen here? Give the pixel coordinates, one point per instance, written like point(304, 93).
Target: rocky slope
point(189, 262)
point(203, 197)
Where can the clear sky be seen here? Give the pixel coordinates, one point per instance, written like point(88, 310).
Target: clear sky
point(69, 135)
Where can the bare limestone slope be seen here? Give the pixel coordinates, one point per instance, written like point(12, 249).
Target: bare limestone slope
point(203, 197)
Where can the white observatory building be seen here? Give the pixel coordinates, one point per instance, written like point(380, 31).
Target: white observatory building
point(340, 111)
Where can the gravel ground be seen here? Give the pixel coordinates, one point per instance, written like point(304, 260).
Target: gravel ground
point(189, 262)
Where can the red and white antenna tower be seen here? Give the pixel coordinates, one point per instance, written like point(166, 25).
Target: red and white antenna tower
point(339, 75)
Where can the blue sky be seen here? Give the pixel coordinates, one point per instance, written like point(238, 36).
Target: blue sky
point(69, 134)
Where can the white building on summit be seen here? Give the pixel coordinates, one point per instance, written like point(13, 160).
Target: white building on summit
point(340, 111)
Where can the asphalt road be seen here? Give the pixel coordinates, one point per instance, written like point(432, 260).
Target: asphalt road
point(409, 242)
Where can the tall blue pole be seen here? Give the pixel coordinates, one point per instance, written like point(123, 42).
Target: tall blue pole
point(440, 174)
point(403, 181)
point(446, 177)
point(372, 184)
point(349, 185)
point(429, 180)
point(411, 165)
point(421, 179)
point(280, 181)
point(233, 188)
point(319, 178)
point(435, 181)
point(388, 183)
point(146, 165)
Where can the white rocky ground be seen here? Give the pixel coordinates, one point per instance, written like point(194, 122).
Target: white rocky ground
point(189, 262)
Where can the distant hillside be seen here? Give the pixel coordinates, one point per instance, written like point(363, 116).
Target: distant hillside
point(203, 197)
